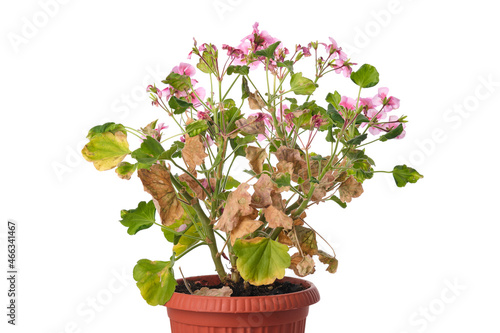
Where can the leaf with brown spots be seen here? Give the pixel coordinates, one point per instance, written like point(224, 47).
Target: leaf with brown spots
point(350, 189)
point(244, 227)
point(256, 157)
point(290, 155)
point(157, 182)
point(237, 206)
point(251, 125)
point(255, 101)
point(277, 218)
point(306, 239)
point(193, 152)
point(327, 259)
point(302, 266)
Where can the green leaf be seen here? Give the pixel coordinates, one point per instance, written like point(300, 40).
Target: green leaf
point(245, 90)
point(392, 133)
point(288, 64)
point(269, 52)
point(335, 116)
point(357, 140)
point(178, 105)
point(197, 127)
point(173, 152)
point(334, 99)
point(140, 218)
point(149, 152)
point(283, 180)
point(361, 119)
point(338, 201)
point(245, 140)
point(106, 150)
point(155, 280)
point(125, 170)
point(329, 135)
point(404, 175)
point(301, 85)
point(107, 127)
point(366, 76)
point(231, 183)
point(242, 70)
point(178, 81)
point(261, 260)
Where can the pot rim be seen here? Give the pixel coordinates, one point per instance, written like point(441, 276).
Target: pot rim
point(245, 304)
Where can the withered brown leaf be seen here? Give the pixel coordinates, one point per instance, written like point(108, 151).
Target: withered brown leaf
point(237, 206)
point(193, 152)
point(302, 266)
point(157, 182)
point(256, 157)
point(277, 218)
point(251, 125)
point(350, 189)
point(193, 185)
point(329, 260)
point(261, 196)
point(244, 227)
point(218, 292)
point(255, 101)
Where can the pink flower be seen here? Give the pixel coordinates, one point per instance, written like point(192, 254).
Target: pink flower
point(160, 127)
point(393, 123)
point(390, 103)
point(233, 52)
point(205, 115)
point(348, 103)
point(209, 142)
point(369, 109)
point(306, 50)
point(165, 93)
point(182, 138)
point(184, 69)
point(335, 49)
point(317, 121)
point(343, 67)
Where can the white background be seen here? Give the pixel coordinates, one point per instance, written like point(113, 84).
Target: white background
point(399, 250)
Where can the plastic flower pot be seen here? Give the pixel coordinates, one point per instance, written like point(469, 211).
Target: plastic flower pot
point(257, 314)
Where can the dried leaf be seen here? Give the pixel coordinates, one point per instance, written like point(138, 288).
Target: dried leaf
point(237, 206)
point(302, 266)
point(256, 157)
point(251, 125)
point(327, 259)
point(350, 189)
point(255, 101)
point(193, 152)
point(261, 197)
point(221, 292)
point(284, 239)
point(157, 182)
point(243, 228)
point(285, 154)
point(277, 218)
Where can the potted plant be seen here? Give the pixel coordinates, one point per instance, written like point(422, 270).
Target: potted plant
point(256, 224)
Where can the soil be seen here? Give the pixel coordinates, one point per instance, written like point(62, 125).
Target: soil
point(240, 289)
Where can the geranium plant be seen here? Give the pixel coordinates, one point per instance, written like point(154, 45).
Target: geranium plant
point(254, 225)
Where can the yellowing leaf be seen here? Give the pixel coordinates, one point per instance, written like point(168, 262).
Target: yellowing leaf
point(261, 260)
point(256, 157)
point(106, 150)
point(156, 280)
point(277, 218)
point(237, 206)
point(306, 239)
point(302, 266)
point(350, 189)
point(157, 182)
point(193, 152)
point(243, 228)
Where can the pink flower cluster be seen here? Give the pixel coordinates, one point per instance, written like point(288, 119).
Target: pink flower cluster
point(192, 97)
point(370, 105)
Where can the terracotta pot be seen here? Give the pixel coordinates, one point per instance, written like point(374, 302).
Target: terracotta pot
point(259, 314)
